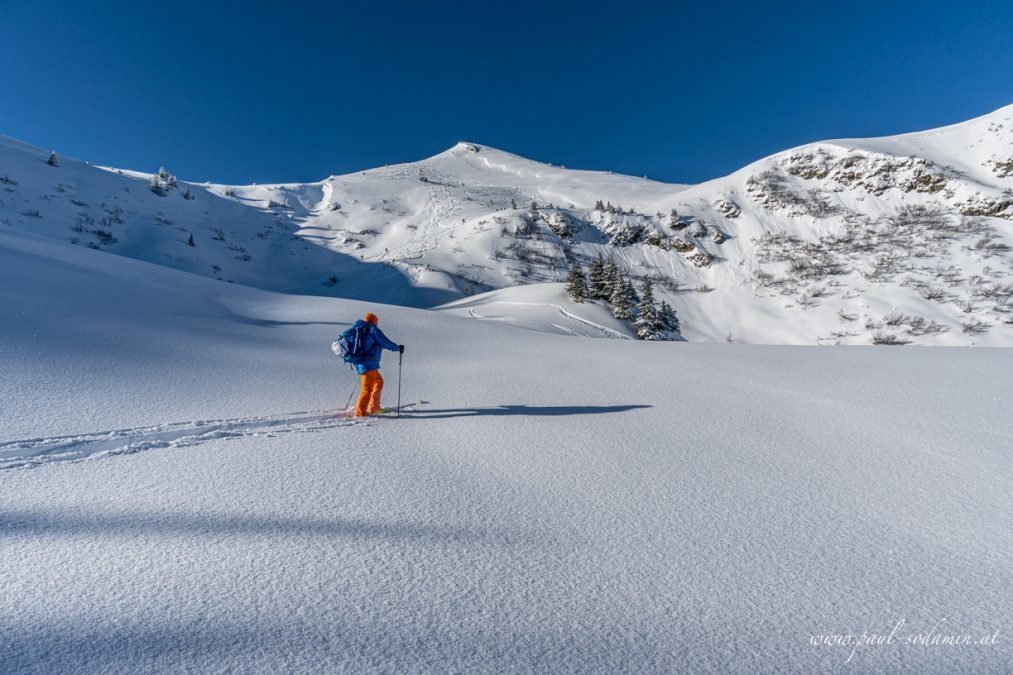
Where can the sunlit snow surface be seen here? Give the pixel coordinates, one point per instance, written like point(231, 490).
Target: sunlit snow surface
point(178, 494)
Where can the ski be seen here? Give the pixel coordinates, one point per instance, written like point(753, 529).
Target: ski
point(388, 414)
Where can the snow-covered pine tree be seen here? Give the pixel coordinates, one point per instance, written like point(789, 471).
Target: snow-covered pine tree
point(612, 277)
point(668, 318)
point(596, 278)
point(631, 290)
point(190, 242)
point(649, 324)
point(576, 284)
point(52, 159)
point(623, 300)
point(156, 186)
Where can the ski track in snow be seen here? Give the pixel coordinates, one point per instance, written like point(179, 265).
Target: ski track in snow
point(595, 329)
point(587, 328)
point(37, 451)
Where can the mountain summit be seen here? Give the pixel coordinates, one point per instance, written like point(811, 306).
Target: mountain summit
point(901, 239)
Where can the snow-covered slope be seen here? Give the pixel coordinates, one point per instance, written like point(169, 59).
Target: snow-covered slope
point(899, 239)
point(559, 504)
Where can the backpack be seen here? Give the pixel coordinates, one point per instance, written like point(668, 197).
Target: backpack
point(353, 345)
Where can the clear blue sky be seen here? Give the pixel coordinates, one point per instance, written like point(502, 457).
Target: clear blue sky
point(295, 91)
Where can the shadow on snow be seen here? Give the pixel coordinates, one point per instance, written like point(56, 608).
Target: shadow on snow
point(535, 410)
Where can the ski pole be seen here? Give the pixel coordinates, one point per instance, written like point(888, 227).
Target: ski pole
point(354, 387)
point(400, 355)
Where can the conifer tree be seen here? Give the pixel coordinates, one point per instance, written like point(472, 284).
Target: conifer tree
point(668, 318)
point(596, 282)
point(190, 241)
point(612, 277)
point(577, 283)
point(623, 300)
point(52, 159)
point(649, 324)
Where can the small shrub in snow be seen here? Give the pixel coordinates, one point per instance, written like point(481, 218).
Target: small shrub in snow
point(919, 326)
point(880, 338)
point(974, 327)
point(105, 237)
point(895, 319)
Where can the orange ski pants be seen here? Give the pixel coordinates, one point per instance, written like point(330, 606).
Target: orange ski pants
point(369, 397)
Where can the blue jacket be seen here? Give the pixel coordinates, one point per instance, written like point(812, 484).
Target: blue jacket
point(376, 342)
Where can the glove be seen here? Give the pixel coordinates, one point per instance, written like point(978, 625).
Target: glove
point(400, 349)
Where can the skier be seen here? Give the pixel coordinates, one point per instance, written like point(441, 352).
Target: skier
point(369, 366)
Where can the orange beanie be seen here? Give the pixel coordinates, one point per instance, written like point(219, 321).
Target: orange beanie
point(371, 318)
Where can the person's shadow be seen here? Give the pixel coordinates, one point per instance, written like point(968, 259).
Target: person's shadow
point(552, 410)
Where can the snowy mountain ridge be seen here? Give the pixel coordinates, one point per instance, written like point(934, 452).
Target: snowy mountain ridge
point(903, 239)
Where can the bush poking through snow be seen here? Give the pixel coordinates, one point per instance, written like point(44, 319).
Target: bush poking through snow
point(974, 327)
point(881, 338)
